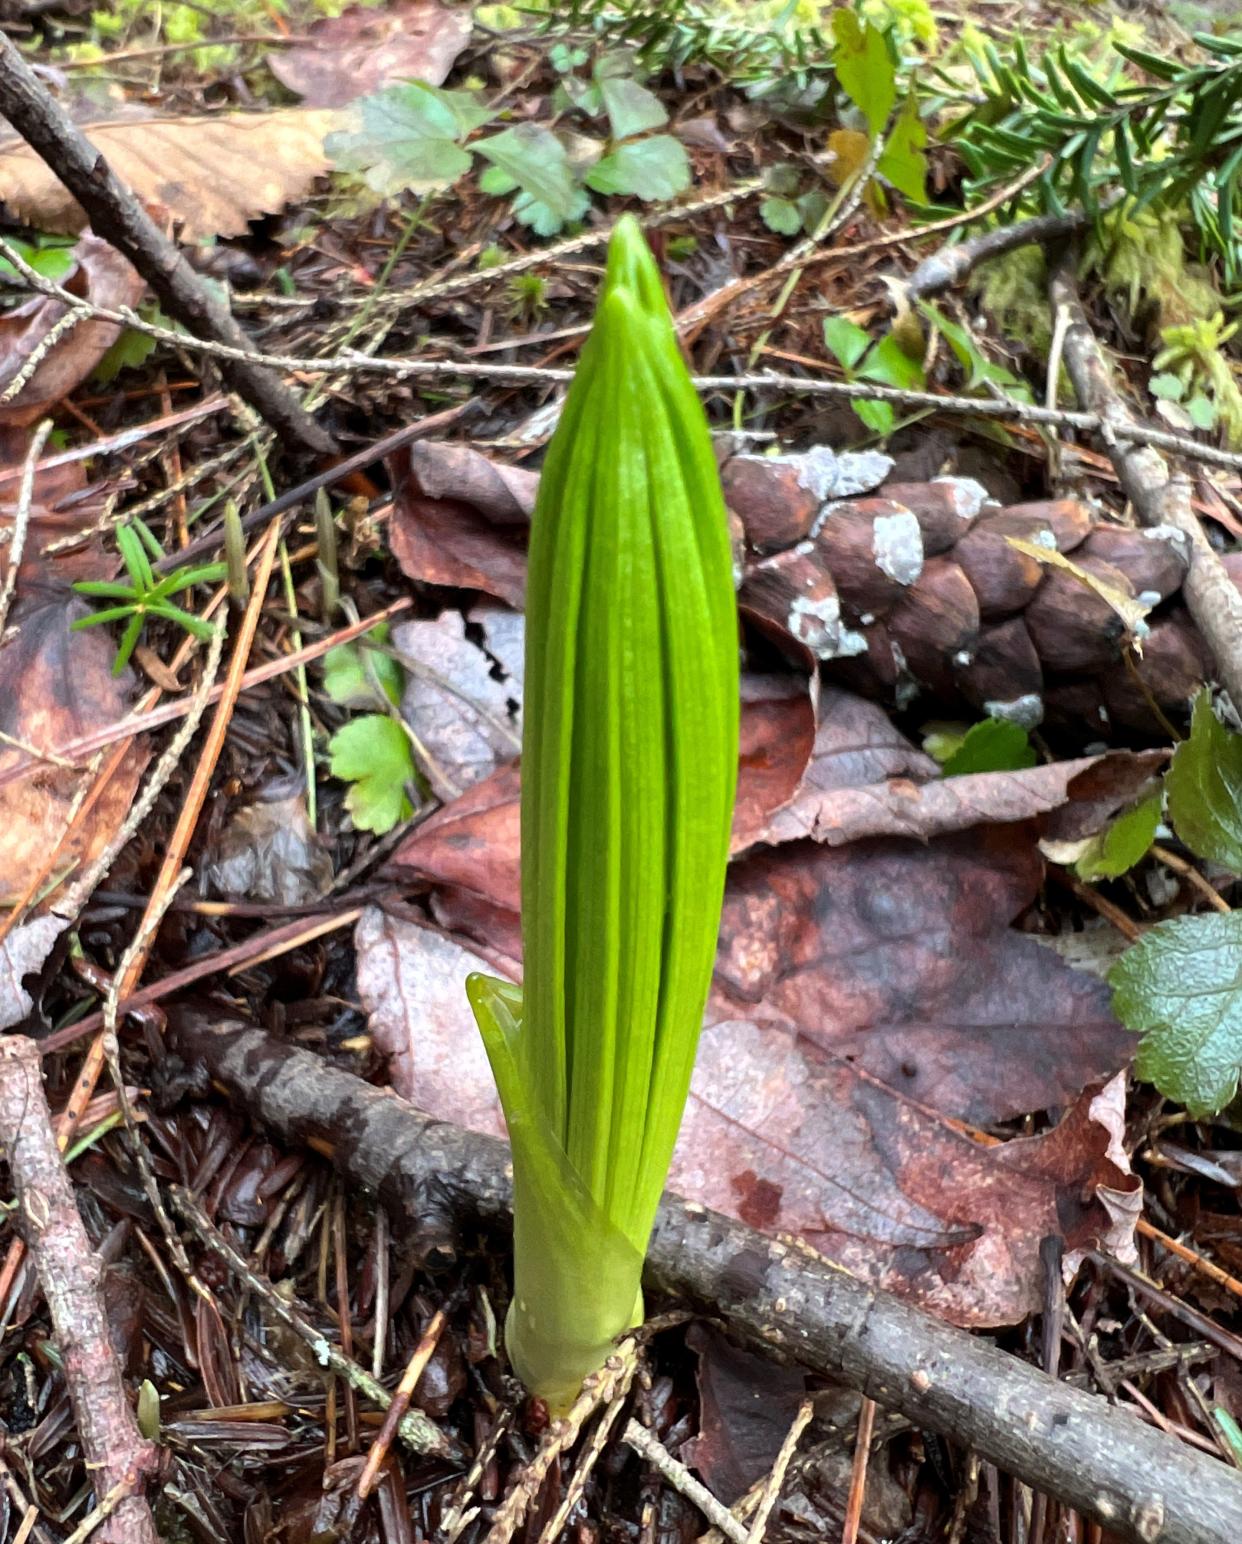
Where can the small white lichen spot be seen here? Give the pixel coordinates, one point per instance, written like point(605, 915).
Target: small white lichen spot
point(815, 622)
point(829, 476)
point(1045, 538)
point(1175, 538)
point(897, 544)
point(1149, 598)
point(963, 658)
point(971, 495)
point(1027, 711)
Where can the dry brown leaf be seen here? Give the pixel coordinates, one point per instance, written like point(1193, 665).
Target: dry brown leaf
point(363, 49)
point(793, 1139)
point(210, 174)
point(101, 276)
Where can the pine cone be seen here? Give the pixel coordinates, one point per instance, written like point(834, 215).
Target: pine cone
point(915, 586)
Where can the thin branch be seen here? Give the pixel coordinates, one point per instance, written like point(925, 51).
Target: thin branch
point(775, 1297)
point(117, 216)
point(21, 518)
point(71, 1275)
point(352, 362)
point(1158, 497)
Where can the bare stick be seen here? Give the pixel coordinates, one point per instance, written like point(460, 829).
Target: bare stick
point(117, 216)
point(858, 1472)
point(682, 1481)
point(1158, 497)
point(952, 264)
point(21, 518)
point(71, 1275)
point(771, 1491)
point(776, 1299)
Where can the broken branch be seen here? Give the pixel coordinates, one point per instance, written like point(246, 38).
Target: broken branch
point(118, 1458)
point(776, 1298)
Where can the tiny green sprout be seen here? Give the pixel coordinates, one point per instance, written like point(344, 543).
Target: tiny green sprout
point(147, 594)
point(629, 762)
point(528, 296)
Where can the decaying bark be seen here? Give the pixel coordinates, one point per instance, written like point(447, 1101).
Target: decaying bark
point(1158, 497)
point(1139, 1483)
point(117, 216)
point(71, 1275)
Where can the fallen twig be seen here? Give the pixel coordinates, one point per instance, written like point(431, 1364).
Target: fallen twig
point(354, 362)
point(117, 216)
point(682, 1481)
point(1158, 497)
point(775, 1297)
point(118, 1458)
point(952, 264)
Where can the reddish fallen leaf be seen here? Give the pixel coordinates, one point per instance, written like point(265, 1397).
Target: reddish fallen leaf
point(461, 520)
point(796, 1141)
point(746, 1406)
point(55, 686)
point(866, 779)
point(101, 276)
point(363, 49)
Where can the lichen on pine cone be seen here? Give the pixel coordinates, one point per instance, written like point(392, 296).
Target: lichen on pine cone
point(900, 586)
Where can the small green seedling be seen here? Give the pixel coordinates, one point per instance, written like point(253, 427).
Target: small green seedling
point(629, 762)
point(148, 594)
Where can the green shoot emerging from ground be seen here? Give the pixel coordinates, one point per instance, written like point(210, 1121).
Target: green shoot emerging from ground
point(628, 770)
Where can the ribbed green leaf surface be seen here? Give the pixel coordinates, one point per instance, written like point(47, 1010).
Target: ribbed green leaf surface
point(628, 772)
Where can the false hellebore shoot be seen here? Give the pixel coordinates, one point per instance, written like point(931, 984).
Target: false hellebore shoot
point(629, 761)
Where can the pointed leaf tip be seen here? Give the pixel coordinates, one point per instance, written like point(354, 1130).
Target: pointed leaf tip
point(632, 268)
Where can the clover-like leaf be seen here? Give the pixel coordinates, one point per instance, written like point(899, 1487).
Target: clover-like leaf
point(537, 164)
point(373, 753)
point(781, 215)
point(631, 108)
point(355, 675)
point(650, 169)
point(409, 136)
point(1181, 985)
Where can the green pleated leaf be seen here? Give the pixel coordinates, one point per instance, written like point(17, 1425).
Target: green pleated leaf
point(629, 762)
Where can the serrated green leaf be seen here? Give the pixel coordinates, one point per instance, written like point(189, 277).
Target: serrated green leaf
point(539, 165)
point(409, 136)
point(846, 341)
point(373, 753)
point(904, 163)
point(630, 107)
point(864, 66)
point(1116, 849)
point(1205, 788)
point(993, 745)
point(651, 169)
point(781, 215)
point(1180, 986)
point(354, 675)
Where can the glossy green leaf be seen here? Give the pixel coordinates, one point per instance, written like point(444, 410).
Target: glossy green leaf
point(1123, 843)
point(1181, 986)
point(846, 341)
point(1205, 788)
point(629, 760)
point(373, 753)
point(993, 745)
point(904, 162)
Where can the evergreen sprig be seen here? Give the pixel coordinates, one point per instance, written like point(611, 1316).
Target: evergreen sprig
point(1171, 139)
